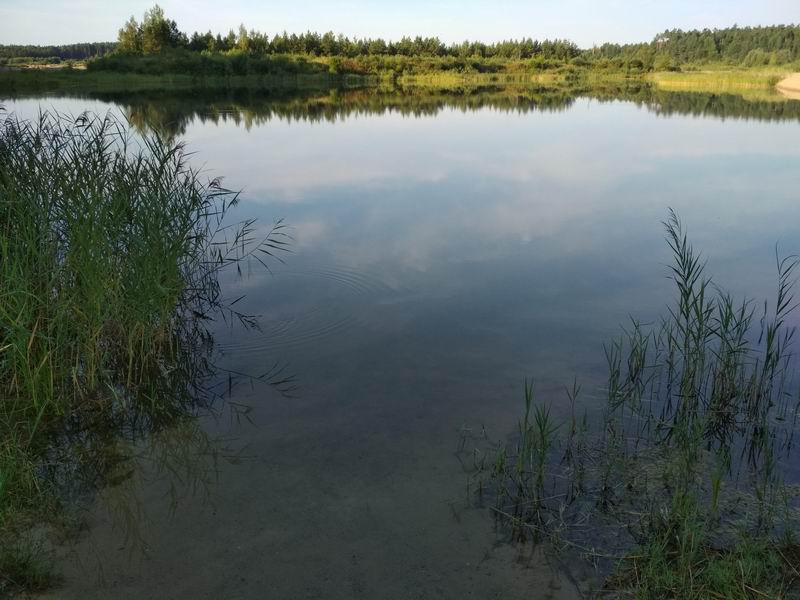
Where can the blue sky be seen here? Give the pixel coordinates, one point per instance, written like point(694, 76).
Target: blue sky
point(584, 21)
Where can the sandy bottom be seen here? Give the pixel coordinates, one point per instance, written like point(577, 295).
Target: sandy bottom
point(314, 502)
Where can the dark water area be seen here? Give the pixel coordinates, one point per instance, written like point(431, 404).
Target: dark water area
point(446, 245)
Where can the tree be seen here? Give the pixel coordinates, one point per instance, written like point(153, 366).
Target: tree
point(663, 62)
point(243, 39)
point(710, 46)
point(258, 43)
point(328, 44)
point(230, 40)
point(201, 42)
point(756, 58)
point(130, 37)
point(377, 47)
point(159, 33)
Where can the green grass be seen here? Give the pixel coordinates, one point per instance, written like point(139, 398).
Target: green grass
point(15, 83)
point(681, 563)
point(110, 252)
point(181, 69)
point(23, 565)
point(242, 63)
point(565, 76)
point(739, 80)
point(178, 70)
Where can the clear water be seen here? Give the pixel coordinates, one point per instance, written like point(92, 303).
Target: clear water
point(441, 254)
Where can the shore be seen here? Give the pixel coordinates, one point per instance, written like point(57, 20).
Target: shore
point(790, 87)
point(753, 84)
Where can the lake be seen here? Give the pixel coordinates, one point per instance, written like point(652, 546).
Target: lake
point(446, 245)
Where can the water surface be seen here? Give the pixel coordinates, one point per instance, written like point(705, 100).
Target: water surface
point(446, 246)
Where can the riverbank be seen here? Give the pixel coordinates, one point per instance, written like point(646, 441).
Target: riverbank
point(36, 81)
point(790, 86)
point(750, 83)
point(740, 81)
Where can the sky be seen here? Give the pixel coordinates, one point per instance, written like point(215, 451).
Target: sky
point(585, 22)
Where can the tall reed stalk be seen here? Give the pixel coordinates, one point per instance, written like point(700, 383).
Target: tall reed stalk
point(110, 254)
point(681, 488)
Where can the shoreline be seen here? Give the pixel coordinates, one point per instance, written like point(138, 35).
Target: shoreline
point(20, 82)
point(790, 86)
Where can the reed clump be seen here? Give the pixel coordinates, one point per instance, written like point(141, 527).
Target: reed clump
point(110, 253)
point(682, 485)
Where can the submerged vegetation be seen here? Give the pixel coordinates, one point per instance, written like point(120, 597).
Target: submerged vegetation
point(683, 486)
point(110, 254)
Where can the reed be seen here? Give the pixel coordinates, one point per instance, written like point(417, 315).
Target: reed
point(681, 485)
point(111, 250)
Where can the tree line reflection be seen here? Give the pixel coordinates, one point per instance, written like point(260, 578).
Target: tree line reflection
point(170, 112)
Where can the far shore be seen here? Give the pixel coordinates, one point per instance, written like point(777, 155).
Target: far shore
point(761, 84)
point(790, 87)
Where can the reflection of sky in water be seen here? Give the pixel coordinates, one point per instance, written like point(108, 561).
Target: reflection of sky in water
point(543, 229)
point(437, 261)
point(539, 233)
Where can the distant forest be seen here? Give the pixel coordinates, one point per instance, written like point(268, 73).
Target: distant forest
point(66, 52)
point(748, 46)
point(156, 34)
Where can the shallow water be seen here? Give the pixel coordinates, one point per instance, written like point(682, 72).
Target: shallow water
point(444, 249)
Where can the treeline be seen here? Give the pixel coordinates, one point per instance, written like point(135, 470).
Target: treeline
point(328, 44)
point(179, 61)
point(746, 46)
point(231, 64)
point(750, 46)
point(156, 33)
point(156, 45)
point(65, 52)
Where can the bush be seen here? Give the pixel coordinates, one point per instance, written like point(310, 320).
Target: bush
point(781, 57)
point(664, 62)
point(756, 58)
